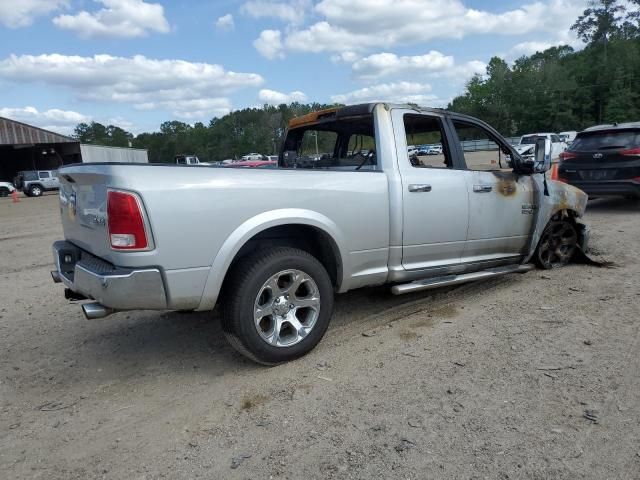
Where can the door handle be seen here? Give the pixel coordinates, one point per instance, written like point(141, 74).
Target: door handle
point(419, 187)
point(482, 188)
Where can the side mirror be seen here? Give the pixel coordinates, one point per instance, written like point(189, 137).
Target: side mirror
point(542, 155)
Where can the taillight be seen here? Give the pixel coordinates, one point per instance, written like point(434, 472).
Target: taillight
point(567, 156)
point(125, 222)
point(554, 174)
point(631, 152)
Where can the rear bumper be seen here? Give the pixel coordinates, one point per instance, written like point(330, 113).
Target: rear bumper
point(114, 287)
point(608, 187)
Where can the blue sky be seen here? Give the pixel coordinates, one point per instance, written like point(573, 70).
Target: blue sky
point(136, 63)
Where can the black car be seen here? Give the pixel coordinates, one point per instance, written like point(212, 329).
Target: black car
point(604, 161)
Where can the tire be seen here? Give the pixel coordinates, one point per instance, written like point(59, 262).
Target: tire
point(4, 192)
point(557, 245)
point(35, 191)
point(257, 317)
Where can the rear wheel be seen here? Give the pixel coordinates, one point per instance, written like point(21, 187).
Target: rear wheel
point(35, 191)
point(557, 244)
point(277, 305)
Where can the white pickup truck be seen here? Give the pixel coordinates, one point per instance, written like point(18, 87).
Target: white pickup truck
point(527, 144)
point(272, 246)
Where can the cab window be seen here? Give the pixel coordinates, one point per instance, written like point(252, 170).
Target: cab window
point(426, 147)
point(333, 144)
point(44, 175)
point(481, 150)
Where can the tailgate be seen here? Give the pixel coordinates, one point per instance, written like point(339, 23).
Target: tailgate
point(83, 208)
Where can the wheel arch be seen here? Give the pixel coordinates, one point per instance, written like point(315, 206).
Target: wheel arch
point(559, 213)
point(304, 229)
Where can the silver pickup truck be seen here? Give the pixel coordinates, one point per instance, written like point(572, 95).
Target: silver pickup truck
point(272, 246)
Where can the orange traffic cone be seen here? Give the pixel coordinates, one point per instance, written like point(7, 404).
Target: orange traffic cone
point(14, 196)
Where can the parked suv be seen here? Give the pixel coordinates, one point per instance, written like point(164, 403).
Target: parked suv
point(604, 160)
point(35, 182)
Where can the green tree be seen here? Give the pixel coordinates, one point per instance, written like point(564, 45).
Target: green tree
point(600, 21)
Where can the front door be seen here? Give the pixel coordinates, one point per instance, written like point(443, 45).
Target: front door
point(502, 204)
point(434, 194)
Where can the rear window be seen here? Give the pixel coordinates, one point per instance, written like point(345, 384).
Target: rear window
point(610, 140)
point(334, 144)
point(30, 176)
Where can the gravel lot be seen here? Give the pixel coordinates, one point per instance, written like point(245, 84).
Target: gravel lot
point(527, 376)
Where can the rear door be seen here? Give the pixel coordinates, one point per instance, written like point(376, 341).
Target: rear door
point(434, 194)
point(45, 179)
point(502, 204)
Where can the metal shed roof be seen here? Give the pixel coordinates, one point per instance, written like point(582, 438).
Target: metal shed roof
point(17, 133)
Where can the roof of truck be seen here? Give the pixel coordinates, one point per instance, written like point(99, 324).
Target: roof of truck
point(356, 110)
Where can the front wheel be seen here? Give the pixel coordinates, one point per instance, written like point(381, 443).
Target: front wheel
point(4, 192)
point(557, 244)
point(276, 305)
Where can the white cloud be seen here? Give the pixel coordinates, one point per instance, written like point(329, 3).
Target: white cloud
point(225, 23)
point(345, 57)
point(360, 25)
point(529, 48)
point(194, 109)
point(272, 97)
point(389, 64)
point(269, 44)
point(400, 92)
point(291, 12)
point(61, 121)
point(21, 13)
point(118, 19)
point(180, 86)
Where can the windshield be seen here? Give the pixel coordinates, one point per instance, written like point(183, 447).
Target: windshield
point(529, 140)
point(337, 144)
point(607, 140)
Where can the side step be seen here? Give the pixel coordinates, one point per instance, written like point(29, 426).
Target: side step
point(445, 280)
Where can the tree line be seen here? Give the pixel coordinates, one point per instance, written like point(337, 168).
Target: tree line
point(554, 90)
point(561, 89)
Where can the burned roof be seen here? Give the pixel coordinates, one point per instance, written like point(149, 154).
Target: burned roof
point(18, 133)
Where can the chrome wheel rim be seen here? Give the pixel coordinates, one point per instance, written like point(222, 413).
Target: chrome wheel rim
point(558, 244)
point(36, 191)
point(286, 308)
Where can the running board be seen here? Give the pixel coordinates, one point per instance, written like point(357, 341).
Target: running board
point(445, 280)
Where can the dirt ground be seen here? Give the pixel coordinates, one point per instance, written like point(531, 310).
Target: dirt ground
point(532, 376)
